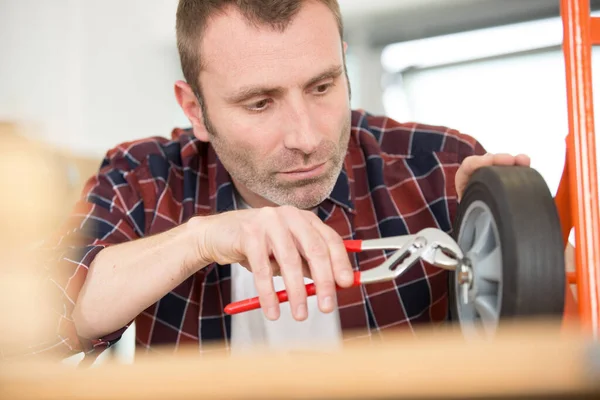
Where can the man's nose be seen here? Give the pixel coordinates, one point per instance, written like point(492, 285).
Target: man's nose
point(301, 134)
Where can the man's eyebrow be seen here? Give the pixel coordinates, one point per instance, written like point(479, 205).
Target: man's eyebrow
point(332, 72)
point(250, 92)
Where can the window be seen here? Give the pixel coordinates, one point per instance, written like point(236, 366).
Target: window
point(504, 86)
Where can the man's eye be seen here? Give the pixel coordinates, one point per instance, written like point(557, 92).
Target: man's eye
point(322, 89)
point(259, 106)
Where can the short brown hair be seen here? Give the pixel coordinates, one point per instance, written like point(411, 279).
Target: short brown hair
point(192, 16)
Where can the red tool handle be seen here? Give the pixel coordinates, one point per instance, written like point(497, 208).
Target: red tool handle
point(352, 246)
point(254, 304)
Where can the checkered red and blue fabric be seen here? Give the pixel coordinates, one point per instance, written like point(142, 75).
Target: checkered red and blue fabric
point(397, 178)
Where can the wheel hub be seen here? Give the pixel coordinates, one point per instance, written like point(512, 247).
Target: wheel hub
point(478, 280)
point(464, 277)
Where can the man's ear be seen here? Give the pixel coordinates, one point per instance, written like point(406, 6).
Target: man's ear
point(189, 104)
point(345, 47)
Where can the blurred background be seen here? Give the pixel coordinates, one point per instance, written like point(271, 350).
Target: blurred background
point(80, 76)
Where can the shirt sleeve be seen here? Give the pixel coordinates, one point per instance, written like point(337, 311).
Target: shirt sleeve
point(463, 145)
point(110, 211)
point(457, 147)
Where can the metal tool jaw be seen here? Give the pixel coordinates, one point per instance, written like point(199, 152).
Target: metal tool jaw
point(431, 245)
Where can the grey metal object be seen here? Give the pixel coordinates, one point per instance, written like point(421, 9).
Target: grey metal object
point(480, 280)
point(431, 245)
point(464, 278)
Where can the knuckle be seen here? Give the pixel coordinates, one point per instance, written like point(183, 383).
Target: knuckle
point(267, 212)
point(250, 235)
point(333, 239)
point(341, 261)
point(251, 229)
point(309, 214)
point(317, 249)
point(289, 260)
point(315, 221)
point(262, 271)
point(287, 210)
point(325, 285)
point(249, 244)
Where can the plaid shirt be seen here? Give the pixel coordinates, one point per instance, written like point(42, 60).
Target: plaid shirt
point(397, 179)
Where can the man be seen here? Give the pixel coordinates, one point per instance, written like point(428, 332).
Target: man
point(275, 164)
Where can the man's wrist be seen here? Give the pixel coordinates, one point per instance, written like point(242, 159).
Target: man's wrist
point(196, 231)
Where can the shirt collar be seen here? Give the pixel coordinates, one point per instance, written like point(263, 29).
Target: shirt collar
point(225, 196)
point(341, 193)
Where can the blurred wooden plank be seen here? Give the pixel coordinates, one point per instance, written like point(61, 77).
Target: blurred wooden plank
point(527, 360)
point(40, 185)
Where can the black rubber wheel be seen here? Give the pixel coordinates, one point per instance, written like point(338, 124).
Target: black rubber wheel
point(515, 248)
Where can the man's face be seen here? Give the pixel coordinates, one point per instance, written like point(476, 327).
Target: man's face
point(277, 105)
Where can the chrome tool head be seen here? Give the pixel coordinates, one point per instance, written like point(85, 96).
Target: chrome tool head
point(432, 245)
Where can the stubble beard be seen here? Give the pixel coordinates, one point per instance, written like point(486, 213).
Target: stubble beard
point(262, 176)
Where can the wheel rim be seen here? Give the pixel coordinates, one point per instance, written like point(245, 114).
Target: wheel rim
point(479, 239)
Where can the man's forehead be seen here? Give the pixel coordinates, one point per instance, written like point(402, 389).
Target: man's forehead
point(232, 41)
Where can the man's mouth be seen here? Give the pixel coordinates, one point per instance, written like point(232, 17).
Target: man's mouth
point(306, 172)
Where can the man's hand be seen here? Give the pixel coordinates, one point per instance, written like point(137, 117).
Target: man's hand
point(300, 244)
point(471, 163)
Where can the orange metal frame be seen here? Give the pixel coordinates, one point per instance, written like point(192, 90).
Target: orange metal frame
point(577, 195)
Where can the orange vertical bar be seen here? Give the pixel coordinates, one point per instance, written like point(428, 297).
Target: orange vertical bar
point(563, 205)
point(595, 30)
point(562, 199)
point(581, 159)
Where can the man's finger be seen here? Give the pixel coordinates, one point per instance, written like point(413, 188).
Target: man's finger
point(471, 163)
point(257, 255)
point(466, 169)
point(276, 271)
point(504, 159)
point(523, 159)
point(288, 258)
point(315, 251)
point(340, 262)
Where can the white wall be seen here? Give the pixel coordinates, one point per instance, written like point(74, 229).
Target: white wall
point(89, 74)
point(92, 73)
point(37, 69)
